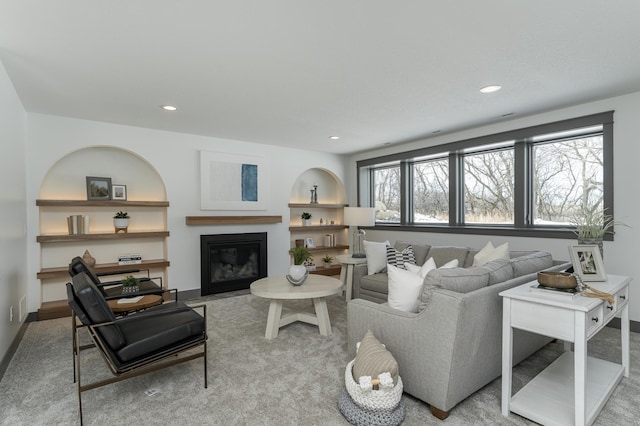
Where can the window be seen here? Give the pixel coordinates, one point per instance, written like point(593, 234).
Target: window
point(386, 184)
point(430, 184)
point(526, 182)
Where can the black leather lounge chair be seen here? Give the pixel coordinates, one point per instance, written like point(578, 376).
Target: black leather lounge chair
point(135, 344)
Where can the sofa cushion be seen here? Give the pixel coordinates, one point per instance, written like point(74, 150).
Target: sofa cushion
point(404, 289)
point(373, 359)
point(375, 282)
point(420, 251)
point(376, 256)
point(489, 253)
point(461, 280)
point(399, 258)
point(500, 270)
point(531, 263)
point(443, 254)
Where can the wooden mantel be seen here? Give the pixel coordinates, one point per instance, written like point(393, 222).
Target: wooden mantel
point(231, 220)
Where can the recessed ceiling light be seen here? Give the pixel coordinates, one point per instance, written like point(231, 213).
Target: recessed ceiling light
point(490, 89)
point(169, 108)
point(334, 138)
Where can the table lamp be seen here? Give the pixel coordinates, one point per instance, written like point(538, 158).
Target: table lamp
point(359, 216)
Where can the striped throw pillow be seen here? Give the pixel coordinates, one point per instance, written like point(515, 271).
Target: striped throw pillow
point(399, 258)
point(373, 359)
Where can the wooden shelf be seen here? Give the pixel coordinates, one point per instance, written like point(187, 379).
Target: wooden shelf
point(54, 309)
point(108, 203)
point(231, 220)
point(316, 228)
point(317, 206)
point(325, 248)
point(63, 272)
point(111, 236)
point(333, 270)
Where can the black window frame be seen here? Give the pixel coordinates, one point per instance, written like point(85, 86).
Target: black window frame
point(523, 192)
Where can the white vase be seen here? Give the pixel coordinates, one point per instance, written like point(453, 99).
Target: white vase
point(121, 224)
point(306, 222)
point(296, 272)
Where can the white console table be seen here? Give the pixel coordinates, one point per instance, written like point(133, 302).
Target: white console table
point(575, 387)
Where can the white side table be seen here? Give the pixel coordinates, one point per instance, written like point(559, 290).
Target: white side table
point(346, 273)
point(575, 387)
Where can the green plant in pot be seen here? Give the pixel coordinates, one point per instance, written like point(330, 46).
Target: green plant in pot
point(592, 224)
point(130, 284)
point(306, 218)
point(327, 260)
point(300, 254)
point(121, 221)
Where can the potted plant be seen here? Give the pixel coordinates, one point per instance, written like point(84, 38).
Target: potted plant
point(592, 224)
point(130, 284)
point(327, 260)
point(121, 221)
point(300, 255)
point(306, 218)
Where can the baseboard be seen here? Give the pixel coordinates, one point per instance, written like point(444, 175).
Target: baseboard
point(189, 294)
point(634, 326)
point(4, 364)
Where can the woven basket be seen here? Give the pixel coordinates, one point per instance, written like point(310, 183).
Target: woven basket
point(382, 399)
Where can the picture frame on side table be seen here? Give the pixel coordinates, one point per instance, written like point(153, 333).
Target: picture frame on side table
point(98, 188)
point(119, 192)
point(587, 262)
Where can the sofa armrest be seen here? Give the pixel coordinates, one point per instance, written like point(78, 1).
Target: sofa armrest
point(359, 271)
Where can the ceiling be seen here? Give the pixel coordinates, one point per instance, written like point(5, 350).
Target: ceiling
point(294, 72)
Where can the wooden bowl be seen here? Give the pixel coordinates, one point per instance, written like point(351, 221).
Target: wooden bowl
point(557, 279)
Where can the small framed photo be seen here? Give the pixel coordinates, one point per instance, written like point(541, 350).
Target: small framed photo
point(98, 188)
point(587, 262)
point(309, 242)
point(119, 192)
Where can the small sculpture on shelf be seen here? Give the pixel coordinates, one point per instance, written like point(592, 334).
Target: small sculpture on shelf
point(121, 221)
point(88, 259)
point(314, 194)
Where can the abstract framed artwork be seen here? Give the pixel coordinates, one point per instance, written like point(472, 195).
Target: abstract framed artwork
point(98, 188)
point(587, 262)
point(233, 182)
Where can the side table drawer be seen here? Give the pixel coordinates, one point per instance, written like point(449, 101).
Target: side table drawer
point(552, 321)
point(620, 298)
point(594, 320)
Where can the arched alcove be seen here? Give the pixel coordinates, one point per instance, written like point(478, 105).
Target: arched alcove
point(330, 189)
point(65, 180)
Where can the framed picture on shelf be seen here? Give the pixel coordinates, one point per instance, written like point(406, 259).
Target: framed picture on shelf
point(587, 262)
point(98, 188)
point(119, 192)
point(309, 242)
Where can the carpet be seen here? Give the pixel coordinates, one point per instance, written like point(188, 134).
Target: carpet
point(295, 379)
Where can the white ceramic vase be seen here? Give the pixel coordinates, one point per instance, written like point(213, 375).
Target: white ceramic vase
point(296, 272)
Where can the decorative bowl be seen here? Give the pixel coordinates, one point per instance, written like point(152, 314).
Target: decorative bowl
point(297, 281)
point(557, 279)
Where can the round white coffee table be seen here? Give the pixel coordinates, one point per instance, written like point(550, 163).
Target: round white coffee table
point(278, 289)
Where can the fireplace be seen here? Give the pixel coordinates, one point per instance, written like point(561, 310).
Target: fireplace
point(231, 261)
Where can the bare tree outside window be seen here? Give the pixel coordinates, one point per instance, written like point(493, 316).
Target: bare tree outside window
point(386, 196)
point(488, 187)
point(431, 191)
point(568, 177)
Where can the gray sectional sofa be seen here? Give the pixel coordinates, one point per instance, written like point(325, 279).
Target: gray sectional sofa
point(452, 346)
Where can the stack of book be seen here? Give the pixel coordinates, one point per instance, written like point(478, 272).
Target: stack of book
point(129, 259)
point(330, 240)
point(78, 224)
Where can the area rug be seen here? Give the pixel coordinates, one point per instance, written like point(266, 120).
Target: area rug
point(295, 379)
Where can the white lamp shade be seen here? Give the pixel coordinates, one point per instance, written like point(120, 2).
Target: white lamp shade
point(359, 216)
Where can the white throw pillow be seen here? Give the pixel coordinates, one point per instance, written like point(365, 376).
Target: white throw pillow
point(489, 253)
point(405, 288)
point(376, 256)
point(450, 264)
point(423, 270)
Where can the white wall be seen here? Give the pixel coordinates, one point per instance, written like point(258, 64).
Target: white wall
point(621, 255)
point(13, 275)
point(175, 157)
